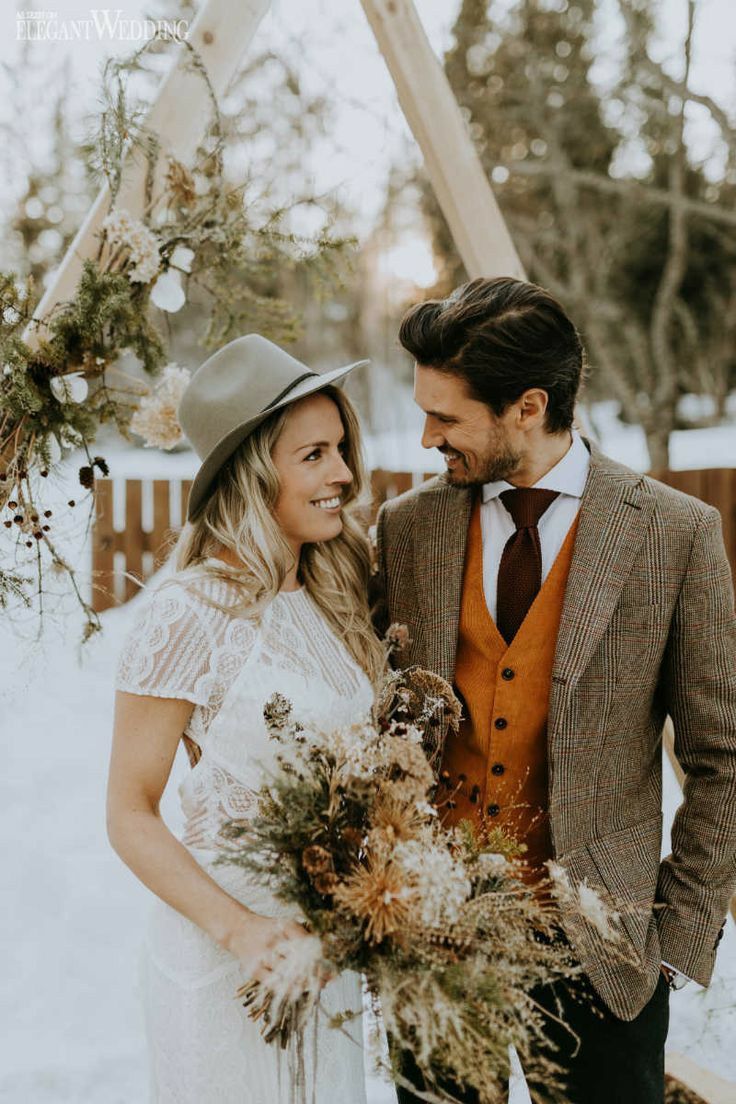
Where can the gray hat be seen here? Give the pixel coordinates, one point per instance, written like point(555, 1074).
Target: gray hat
point(233, 392)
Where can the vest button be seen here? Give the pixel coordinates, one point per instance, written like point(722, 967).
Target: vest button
point(508, 673)
point(498, 768)
point(493, 810)
point(501, 722)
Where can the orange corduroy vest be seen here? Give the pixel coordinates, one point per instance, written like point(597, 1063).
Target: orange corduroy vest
point(496, 766)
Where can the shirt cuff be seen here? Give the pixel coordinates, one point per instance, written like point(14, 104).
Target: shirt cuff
point(680, 979)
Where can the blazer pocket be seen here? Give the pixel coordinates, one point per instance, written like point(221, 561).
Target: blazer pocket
point(627, 864)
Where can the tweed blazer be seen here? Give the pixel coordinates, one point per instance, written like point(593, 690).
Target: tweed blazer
point(647, 631)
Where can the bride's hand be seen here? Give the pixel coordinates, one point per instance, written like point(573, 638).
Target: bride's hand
point(258, 938)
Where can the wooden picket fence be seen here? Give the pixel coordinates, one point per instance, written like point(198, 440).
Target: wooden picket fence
point(137, 521)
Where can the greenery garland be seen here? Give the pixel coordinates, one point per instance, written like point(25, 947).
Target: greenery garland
point(60, 378)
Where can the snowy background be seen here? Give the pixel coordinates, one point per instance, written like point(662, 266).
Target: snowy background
point(74, 915)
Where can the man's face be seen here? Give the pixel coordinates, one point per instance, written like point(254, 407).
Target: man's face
point(478, 446)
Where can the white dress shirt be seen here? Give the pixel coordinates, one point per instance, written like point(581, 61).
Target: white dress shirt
point(568, 478)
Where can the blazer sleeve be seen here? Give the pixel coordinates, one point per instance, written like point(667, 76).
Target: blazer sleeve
point(697, 881)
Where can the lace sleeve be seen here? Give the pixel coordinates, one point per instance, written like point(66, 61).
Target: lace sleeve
point(168, 650)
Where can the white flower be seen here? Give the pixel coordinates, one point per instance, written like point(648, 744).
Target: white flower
point(72, 388)
point(595, 911)
point(441, 883)
point(142, 244)
point(146, 269)
point(167, 293)
point(156, 419)
point(182, 258)
point(117, 225)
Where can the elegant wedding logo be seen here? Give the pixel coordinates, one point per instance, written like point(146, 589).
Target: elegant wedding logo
point(101, 24)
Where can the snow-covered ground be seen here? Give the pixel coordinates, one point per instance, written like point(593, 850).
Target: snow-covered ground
point(73, 915)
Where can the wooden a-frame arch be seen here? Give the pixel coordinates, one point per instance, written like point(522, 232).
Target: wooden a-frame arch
point(221, 34)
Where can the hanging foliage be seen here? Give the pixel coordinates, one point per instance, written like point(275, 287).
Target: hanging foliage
point(61, 378)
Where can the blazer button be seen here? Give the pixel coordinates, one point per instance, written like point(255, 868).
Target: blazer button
point(501, 722)
point(493, 810)
point(508, 674)
point(498, 768)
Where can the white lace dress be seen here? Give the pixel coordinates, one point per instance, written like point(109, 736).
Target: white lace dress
point(203, 1047)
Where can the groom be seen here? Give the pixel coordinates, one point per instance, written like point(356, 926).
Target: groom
point(574, 604)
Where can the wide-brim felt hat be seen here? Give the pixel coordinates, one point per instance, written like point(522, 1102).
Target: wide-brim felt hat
point(236, 389)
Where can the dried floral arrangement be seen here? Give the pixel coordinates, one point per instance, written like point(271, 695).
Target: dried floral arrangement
point(449, 938)
point(60, 377)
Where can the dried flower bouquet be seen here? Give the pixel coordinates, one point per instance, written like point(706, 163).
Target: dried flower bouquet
point(449, 938)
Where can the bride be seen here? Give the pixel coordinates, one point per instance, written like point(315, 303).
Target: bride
point(268, 595)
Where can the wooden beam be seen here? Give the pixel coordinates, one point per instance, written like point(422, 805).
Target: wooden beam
point(455, 172)
point(709, 1086)
point(178, 116)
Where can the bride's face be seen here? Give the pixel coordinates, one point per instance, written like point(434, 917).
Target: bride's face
point(308, 457)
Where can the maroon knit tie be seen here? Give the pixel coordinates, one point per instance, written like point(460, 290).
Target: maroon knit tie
point(520, 570)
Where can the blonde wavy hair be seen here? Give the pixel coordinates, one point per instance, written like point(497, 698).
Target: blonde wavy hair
point(238, 516)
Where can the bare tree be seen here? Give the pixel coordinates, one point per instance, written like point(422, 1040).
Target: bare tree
point(643, 260)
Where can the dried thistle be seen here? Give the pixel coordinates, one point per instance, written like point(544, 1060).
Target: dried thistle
point(397, 819)
point(377, 893)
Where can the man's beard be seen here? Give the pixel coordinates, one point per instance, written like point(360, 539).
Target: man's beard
point(491, 468)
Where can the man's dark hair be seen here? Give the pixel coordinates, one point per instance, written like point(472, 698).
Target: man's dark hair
point(503, 337)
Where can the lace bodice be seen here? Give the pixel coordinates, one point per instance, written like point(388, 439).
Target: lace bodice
point(181, 646)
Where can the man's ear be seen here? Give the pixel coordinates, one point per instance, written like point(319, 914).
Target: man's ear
point(532, 407)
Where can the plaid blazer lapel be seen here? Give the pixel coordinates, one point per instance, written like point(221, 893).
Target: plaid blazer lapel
point(615, 511)
point(440, 537)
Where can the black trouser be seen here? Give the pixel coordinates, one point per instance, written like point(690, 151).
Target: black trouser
point(618, 1062)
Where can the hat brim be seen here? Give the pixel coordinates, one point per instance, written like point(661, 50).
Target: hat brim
point(224, 449)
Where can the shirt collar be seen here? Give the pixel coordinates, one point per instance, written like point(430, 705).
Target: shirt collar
point(567, 477)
